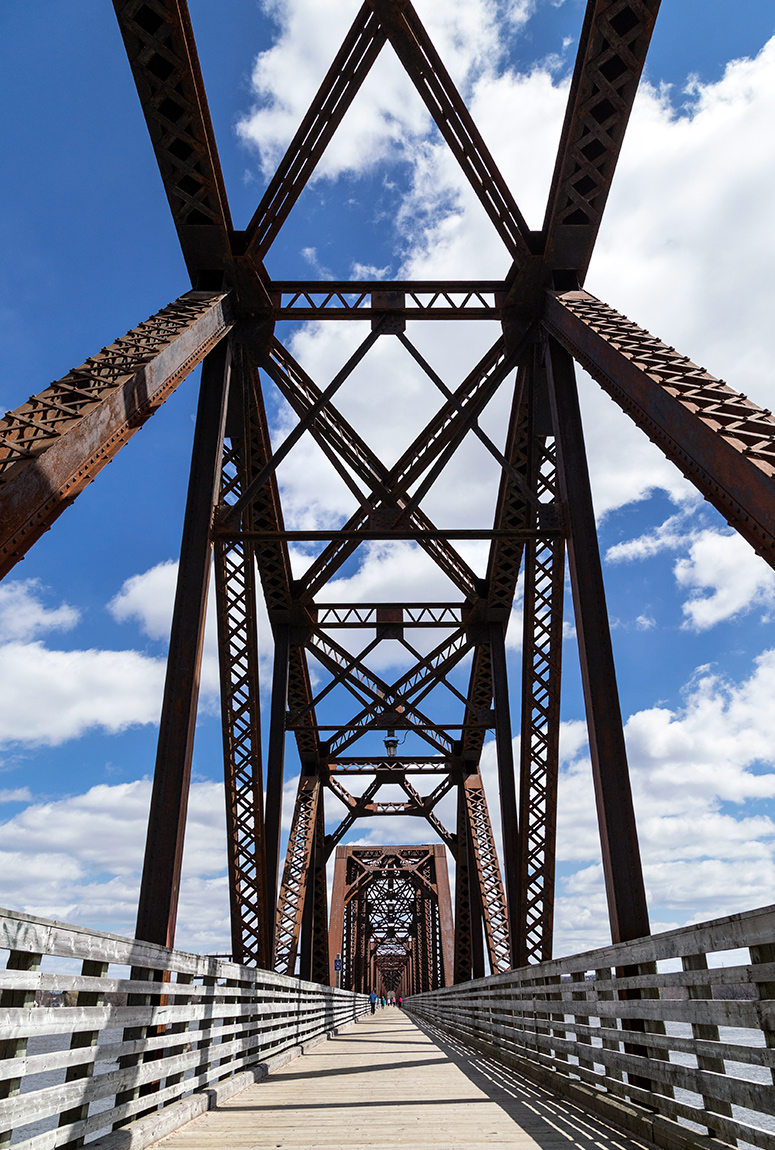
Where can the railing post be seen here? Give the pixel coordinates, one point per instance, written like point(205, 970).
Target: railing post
point(15, 1047)
point(85, 1040)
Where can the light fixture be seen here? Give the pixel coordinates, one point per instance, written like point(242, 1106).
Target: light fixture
point(391, 744)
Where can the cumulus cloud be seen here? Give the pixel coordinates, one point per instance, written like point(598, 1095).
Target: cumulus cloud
point(148, 599)
point(51, 696)
point(726, 566)
point(725, 578)
point(24, 615)
point(695, 771)
point(79, 859)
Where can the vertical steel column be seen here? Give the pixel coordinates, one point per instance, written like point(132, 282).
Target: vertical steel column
point(539, 746)
point(160, 886)
point(275, 772)
point(446, 926)
point(235, 596)
point(506, 781)
point(320, 969)
point(616, 817)
point(464, 922)
point(336, 931)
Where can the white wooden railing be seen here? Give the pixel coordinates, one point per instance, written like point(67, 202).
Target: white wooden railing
point(642, 1032)
point(116, 1042)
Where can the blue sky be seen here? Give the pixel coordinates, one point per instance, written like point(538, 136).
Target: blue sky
point(89, 250)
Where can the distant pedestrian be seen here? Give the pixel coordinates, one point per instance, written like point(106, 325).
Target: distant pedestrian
point(400, 1000)
point(373, 1001)
point(383, 1002)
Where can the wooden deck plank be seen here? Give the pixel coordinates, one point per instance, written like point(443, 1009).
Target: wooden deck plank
point(385, 1084)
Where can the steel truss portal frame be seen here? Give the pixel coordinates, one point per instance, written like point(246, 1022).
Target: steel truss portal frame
point(55, 444)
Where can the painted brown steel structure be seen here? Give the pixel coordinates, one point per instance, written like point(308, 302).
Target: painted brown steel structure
point(55, 444)
point(391, 919)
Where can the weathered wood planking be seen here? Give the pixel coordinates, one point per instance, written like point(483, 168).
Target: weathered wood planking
point(196, 1027)
point(617, 1013)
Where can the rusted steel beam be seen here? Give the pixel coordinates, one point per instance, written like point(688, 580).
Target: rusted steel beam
point(426, 69)
point(489, 882)
point(342, 81)
point(298, 871)
point(612, 51)
point(53, 446)
point(446, 924)
point(160, 885)
point(616, 817)
point(235, 586)
point(539, 745)
point(384, 615)
point(162, 53)
point(275, 769)
point(363, 300)
point(722, 441)
point(507, 788)
point(419, 534)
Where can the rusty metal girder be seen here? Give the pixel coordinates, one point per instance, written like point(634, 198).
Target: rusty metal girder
point(298, 867)
point(158, 900)
point(388, 616)
point(162, 53)
point(612, 52)
point(722, 441)
point(540, 728)
point(422, 62)
point(622, 868)
point(345, 76)
point(235, 592)
point(490, 882)
point(361, 300)
point(53, 446)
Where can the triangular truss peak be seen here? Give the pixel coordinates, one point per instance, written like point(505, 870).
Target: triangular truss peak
point(52, 446)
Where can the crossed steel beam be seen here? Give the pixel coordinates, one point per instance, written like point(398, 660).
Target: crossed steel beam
point(55, 444)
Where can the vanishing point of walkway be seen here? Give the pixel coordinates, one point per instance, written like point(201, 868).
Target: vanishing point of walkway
point(386, 1083)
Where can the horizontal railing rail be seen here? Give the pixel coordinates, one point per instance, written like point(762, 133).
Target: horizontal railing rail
point(672, 1036)
point(98, 1032)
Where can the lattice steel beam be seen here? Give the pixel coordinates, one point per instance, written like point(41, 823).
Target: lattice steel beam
point(235, 587)
point(345, 76)
point(490, 882)
point(53, 446)
point(540, 723)
point(361, 300)
point(162, 53)
point(612, 51)
point(290, 907)
point(426, 69)
point(722, 441)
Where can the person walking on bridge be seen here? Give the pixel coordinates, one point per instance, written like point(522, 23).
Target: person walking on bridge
point(373, 1001)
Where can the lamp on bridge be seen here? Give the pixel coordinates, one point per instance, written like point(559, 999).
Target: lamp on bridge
point(391, 744)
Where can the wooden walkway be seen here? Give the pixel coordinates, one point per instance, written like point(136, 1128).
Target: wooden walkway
point(386, 1083)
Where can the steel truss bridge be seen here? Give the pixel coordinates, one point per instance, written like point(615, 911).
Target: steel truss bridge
point(391, 918)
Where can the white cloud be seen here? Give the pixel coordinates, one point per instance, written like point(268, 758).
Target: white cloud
point(79, 859)
point(723, 564)
point(387, 118)
point(737, 578)
point(148, 599)
point(690, 768)
point(51, 696)
point(23, 614)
